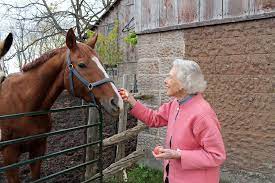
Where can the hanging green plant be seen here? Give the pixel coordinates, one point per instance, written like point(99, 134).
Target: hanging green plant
point(107, 47)
point(131, 38)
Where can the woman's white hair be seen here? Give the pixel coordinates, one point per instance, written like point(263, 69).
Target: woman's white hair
point(189, 73)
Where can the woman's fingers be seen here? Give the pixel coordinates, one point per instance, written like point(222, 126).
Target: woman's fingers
point(155, 155)
point(162, 150)
point(123, 93)
point(127, 97)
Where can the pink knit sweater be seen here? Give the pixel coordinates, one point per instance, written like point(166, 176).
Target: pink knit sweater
point(195, 130)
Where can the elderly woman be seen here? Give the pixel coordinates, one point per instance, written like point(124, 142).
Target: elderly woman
point(194, 148)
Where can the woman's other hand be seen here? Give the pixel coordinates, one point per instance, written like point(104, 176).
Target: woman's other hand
point(167, 153)
point(127, 97)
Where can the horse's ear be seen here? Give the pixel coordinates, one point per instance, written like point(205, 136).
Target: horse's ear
point(6, 45)
point(71, 39)
point(92, 41)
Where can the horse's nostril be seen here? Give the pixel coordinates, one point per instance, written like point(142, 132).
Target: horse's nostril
point(114, 103)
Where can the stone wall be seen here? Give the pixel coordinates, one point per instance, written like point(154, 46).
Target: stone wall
point(238, 62)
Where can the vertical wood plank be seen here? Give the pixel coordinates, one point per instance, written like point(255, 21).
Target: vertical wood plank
point(210, 9)
point(233, 8)
point(137, 11)
point(123, 120)
point(264, 6)
point(122, 125)
point(149, 14)
point(168, 12)
point(92, 136)
point(188, 11)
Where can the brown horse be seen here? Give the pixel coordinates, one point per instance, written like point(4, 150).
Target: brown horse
point(4, 48)
point(39, 85)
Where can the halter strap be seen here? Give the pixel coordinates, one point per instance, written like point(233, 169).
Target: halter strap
point(90, 86)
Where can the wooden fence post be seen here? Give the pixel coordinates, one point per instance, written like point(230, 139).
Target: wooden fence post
point(120, 151)
point(92, 135)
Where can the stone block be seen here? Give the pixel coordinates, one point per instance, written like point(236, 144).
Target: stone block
point(261, 64)
point(148, 50)
point(162, 132)
point(149, 142)
point(148, 82)
point(250, 102)
point(240, 122)
point(162, 77)
point(207, 64)
point(163, 97)
point(153, 38)
point(172, 49)
point(252, 64)
point(233, 46)
point(260, 44)
point(148, 66)
point(165, 64)
point(211, 83)
point(239, 84)
point(171, 36)
point(153, 101)
point(193, 34)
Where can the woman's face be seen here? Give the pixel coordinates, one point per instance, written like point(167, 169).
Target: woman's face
point(173, 85)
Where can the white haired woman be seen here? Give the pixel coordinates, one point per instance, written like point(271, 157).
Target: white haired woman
point(194, 148)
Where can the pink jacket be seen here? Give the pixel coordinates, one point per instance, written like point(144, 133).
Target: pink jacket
point(194, 129)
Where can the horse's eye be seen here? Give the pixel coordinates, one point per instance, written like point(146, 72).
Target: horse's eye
point(81, 65)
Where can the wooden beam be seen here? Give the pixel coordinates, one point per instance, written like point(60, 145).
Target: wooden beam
point(126, 162)
point(130, 133)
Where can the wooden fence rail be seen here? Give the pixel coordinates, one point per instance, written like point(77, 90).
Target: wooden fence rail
point(122, 164)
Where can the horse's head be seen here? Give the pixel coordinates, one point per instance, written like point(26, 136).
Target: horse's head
point(5, 45)
point(85, 76)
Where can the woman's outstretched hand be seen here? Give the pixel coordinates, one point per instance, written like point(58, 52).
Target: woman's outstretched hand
point(127, 97)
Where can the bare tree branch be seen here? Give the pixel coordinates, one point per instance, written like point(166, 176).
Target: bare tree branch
point(39, 25)
point(57, 26)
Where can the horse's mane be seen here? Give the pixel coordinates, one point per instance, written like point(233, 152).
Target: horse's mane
point(42, 59)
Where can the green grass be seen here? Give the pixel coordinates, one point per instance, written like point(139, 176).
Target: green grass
point(141, 174)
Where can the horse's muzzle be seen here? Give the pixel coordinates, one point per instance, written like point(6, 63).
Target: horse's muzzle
point(113, 106)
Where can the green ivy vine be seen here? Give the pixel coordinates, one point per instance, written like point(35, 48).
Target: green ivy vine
point(107, 47)
point(131, 38)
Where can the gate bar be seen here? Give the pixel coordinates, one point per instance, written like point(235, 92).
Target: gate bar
point(37, 113)
point(23, 139)
point(46, 156)
point(64, 171)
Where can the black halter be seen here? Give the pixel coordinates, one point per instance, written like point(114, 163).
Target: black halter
point(90, 86)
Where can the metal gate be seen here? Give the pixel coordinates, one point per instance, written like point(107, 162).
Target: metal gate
point(51, 155)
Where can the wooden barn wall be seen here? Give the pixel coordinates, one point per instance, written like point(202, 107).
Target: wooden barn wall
point(151, 14)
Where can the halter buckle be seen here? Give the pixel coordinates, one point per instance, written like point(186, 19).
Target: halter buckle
point(71, 66)
point(90, 86)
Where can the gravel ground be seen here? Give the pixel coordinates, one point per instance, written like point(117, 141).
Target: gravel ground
point(234, 176)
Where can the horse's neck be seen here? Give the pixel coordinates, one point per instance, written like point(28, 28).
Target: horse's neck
point(50, 83)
